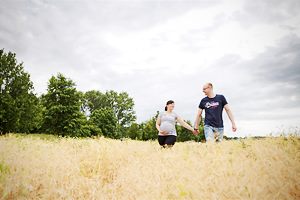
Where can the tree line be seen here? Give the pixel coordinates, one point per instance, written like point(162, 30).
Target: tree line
point(65, 111)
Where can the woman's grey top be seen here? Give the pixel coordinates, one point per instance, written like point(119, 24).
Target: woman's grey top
point(167, 123)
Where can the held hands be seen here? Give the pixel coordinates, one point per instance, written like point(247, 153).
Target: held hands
point(195, 131)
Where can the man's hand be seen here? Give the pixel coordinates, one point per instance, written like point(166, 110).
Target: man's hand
point(234, 127)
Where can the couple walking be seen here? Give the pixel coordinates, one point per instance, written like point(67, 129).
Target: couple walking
point(212, 104)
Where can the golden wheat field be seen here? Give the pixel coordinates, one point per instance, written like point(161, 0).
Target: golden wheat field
point(48, 167)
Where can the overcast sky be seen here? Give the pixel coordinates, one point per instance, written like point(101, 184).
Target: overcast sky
point(162, 50)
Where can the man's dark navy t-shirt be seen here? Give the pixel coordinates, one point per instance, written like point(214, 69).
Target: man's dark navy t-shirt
point(213, 110)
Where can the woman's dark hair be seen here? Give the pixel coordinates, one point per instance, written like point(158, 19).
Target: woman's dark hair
point(168, 102)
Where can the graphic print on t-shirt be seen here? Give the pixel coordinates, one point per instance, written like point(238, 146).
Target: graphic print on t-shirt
point(211, 104)
point(213, 110)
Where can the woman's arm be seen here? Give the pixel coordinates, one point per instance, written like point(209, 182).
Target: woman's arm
point(184, 124)
point(158, 123)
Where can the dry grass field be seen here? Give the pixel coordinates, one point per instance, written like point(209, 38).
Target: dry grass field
point(48, 167)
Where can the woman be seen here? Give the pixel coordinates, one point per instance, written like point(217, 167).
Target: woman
point(165, 125)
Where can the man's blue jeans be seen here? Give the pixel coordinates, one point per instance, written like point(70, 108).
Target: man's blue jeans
point(213, 134)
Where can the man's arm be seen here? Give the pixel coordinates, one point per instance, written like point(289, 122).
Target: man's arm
point(230, 115)
point(198, 119)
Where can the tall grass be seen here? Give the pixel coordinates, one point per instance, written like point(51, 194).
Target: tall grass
point(34, 167)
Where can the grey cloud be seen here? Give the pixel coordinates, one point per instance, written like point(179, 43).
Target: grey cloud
point(280, 64)
point(66, 36)
point(274, 85)
point(195, 39)
point(129, 15)
point(275, 76)
point(265, 87)
point(274, 11)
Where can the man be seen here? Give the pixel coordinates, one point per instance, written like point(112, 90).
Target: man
point(213, 104)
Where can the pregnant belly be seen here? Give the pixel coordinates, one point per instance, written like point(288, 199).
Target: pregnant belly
point(168, 127)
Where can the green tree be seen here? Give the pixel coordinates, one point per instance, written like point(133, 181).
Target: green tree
point(121, 104)
point(106, 121)
point(95, 100)
point(18, 104)
point(135, 131)
point(123, 107)
point(149, 128)
point(62, 108)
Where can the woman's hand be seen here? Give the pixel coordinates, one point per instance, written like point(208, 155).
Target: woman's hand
point(163, 132)
point(195, 132)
